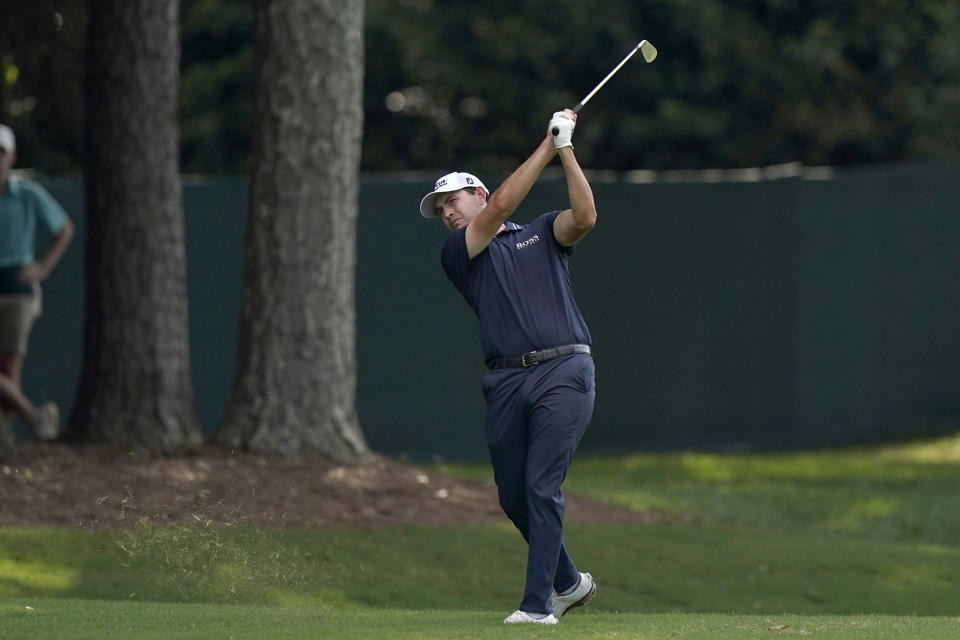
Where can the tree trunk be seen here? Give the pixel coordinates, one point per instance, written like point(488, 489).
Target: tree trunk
point(295, 386)
point(136, 388)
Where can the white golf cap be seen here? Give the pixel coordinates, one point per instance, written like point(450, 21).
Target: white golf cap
point(450, 182)
point(8, 141)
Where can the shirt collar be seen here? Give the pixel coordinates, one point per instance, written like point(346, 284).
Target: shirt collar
point(13, 186)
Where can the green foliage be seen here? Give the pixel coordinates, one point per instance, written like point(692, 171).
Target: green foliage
point(460, 83)
point(216, 86)
point(736, 84)
point(41, 57)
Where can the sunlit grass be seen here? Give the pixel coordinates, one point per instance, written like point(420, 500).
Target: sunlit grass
point(35, 576)
point(893, 493)
point(641, 568)
point(852, 544)
point(939, 451)
point(908, 492)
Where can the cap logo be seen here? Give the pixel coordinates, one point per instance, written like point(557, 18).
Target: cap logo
point(440, 183)
point(468, 180)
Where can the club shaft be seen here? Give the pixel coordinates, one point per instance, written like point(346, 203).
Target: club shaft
point(609, 75)
point(580, 104)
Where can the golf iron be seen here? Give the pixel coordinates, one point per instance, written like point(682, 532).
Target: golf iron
point(649, 54)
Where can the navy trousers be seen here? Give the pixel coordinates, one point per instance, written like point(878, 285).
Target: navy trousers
point(535, 420)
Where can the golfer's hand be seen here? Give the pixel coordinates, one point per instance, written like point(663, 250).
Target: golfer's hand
point(561, 127)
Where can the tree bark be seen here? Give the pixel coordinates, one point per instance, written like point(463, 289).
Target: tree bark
point(295, 386)
point(136, 388)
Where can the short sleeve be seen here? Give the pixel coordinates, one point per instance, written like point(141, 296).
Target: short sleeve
point(547, 221)
point(50, 213)
point(455, 258)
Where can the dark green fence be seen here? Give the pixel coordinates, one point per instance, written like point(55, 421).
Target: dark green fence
point(725, 315)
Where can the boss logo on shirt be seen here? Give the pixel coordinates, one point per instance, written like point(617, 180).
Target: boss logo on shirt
point(528, 242)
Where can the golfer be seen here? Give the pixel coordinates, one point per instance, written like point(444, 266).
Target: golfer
point(540, 387)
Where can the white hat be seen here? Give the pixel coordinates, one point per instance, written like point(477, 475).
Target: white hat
point(450, 182)
point(8, 142)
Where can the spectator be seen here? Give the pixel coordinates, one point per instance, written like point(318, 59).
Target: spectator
point(24, 203)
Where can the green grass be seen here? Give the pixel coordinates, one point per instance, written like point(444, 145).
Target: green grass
point(906, 493)
point(107, 619)
point(640, 569)
point(882, 494)
point(840, 544)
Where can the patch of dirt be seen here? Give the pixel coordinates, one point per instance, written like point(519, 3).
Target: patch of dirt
point(101, 486)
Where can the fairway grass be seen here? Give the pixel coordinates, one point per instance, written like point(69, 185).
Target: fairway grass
point(843, 544)
point(105, 619)
point(908, 492)
point(651, 569)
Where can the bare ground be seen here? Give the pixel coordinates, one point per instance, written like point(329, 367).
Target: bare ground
point(101, 486)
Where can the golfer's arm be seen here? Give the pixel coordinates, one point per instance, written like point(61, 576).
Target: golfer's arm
point(574, 223)
point(508, 196)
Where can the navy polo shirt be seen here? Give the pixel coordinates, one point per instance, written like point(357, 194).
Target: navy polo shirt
point(519, 287)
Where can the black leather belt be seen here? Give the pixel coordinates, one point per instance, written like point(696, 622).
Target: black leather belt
point(535, 357)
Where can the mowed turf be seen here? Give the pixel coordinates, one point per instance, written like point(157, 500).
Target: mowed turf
point(907, 493)
point(844, 544)
point(639, 569)
point(82, 619)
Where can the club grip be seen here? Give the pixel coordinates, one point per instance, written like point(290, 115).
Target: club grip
point(576, 109)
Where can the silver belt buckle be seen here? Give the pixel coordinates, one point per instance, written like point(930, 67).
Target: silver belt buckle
point(533, 359)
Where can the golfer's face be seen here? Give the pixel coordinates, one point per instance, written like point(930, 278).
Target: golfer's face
point(458, 208)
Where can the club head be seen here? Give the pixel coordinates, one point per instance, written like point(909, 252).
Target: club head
point(648, 50)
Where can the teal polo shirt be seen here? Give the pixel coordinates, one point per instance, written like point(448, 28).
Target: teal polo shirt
point(24, 204)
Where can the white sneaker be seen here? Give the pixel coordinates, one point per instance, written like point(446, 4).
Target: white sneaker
point(48, 422)
point(522, 616)
point(580, 596)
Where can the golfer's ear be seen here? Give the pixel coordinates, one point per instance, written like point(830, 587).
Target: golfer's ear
point(483, 195)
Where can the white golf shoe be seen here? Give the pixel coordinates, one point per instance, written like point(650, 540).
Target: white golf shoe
point(581, 595)
point(519, 617)
point(48, 422)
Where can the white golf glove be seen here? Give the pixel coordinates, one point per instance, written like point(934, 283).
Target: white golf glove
point(561, 126)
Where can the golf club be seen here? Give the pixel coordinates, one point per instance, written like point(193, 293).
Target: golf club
point(649, 54)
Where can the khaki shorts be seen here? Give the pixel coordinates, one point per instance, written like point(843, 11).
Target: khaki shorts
point(17, 315)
